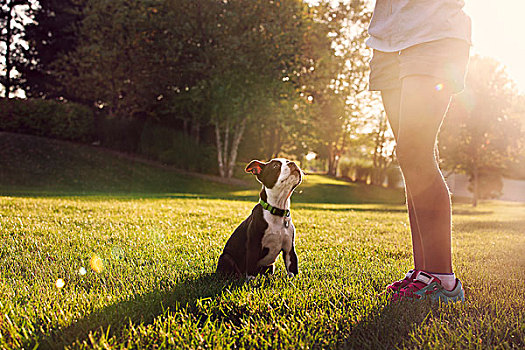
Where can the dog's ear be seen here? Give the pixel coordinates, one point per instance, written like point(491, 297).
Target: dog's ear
point(255, 167)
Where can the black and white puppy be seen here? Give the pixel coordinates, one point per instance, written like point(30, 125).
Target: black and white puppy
point(256, 243)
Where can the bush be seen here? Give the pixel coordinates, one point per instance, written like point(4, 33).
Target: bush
point(175, 148)
point(394, 177)
point(346, 169)
point(119, 133)
point(66, 121)
point(355, 169)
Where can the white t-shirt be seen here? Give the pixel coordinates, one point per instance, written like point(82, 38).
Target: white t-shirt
point(398, 24)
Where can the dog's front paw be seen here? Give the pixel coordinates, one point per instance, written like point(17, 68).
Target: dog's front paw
point(249, 278)
point(291, 274)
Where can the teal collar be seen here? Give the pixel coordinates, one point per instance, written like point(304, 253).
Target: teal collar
point(273, 210)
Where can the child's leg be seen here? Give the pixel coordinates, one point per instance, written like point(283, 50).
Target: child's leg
point(421, 111)
point(391, 101)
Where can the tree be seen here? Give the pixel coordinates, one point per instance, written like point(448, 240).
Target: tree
point(318, 107)
point(52, 34)
point(382, 159)
point(121, 63)
point(14, 14)
point(251, 63)
point(479, 138)
point(516, 169)
point(338, 78)
point(261, 40)
point(194, 48)
point(279, 128)
point(224, 64)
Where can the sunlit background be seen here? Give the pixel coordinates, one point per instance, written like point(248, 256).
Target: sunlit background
point(497, 31)
point(123, 144)
point(345, 122)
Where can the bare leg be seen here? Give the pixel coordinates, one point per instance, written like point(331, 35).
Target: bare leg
point(421, 111)
point(391, 102)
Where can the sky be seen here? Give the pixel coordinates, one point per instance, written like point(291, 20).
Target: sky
point(498, 30)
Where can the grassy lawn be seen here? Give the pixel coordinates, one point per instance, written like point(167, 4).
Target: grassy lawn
point(134, 269)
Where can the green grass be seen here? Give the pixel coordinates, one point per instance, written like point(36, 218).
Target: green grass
point(159, 250)
point(35, 166)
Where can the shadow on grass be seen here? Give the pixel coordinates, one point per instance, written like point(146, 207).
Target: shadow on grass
point(139, 309)
point(472, 212)
point(347, 193)
point(386, 327)
point(346, 196)
point(515, 226)
point(376, 210)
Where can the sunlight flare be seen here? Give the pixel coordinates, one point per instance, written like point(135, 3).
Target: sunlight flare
point(60, 283)
point(117, 253)
point(96, 264)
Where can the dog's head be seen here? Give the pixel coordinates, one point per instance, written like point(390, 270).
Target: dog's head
point(279, 175)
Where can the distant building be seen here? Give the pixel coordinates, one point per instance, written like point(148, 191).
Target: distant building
point(513, 190)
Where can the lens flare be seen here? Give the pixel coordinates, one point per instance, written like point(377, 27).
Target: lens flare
point(96, 264)
point(60, 283)
point(117, 253)
point(439, 87)
point(82, 271)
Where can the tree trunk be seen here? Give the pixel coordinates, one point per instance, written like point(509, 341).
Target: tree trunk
point(195, 130)
point(218, 141)
point(225, 145)
point(8, 60)
point(226, 153)
point(378, 160)
point(278, 143)
point(335, 156)
point(476, 188)
point(268, 146)
point(332, 169)
point(336, 164)
point(185, 126)
point(239, 131)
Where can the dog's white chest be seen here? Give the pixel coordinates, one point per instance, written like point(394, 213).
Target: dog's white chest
point(278, 236)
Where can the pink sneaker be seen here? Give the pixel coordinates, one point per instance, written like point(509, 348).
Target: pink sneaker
point(398, 285)
point(427, 286)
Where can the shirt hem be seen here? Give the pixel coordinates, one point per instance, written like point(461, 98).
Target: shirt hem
point(377, 44)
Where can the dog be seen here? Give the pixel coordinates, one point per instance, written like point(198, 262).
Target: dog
point(256, 243)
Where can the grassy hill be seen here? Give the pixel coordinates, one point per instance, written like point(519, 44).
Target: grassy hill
point(123, 258)
point(32, 165)
point(41, 166)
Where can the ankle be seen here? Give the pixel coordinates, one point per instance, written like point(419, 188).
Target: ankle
point(448, 280)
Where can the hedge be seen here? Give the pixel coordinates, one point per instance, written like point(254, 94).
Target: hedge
point(66, 121)
point(173, 147)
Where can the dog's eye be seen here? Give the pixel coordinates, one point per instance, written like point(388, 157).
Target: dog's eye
point(276, 165)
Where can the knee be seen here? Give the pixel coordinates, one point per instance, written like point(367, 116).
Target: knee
point(413, 157)
point(405, 152)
